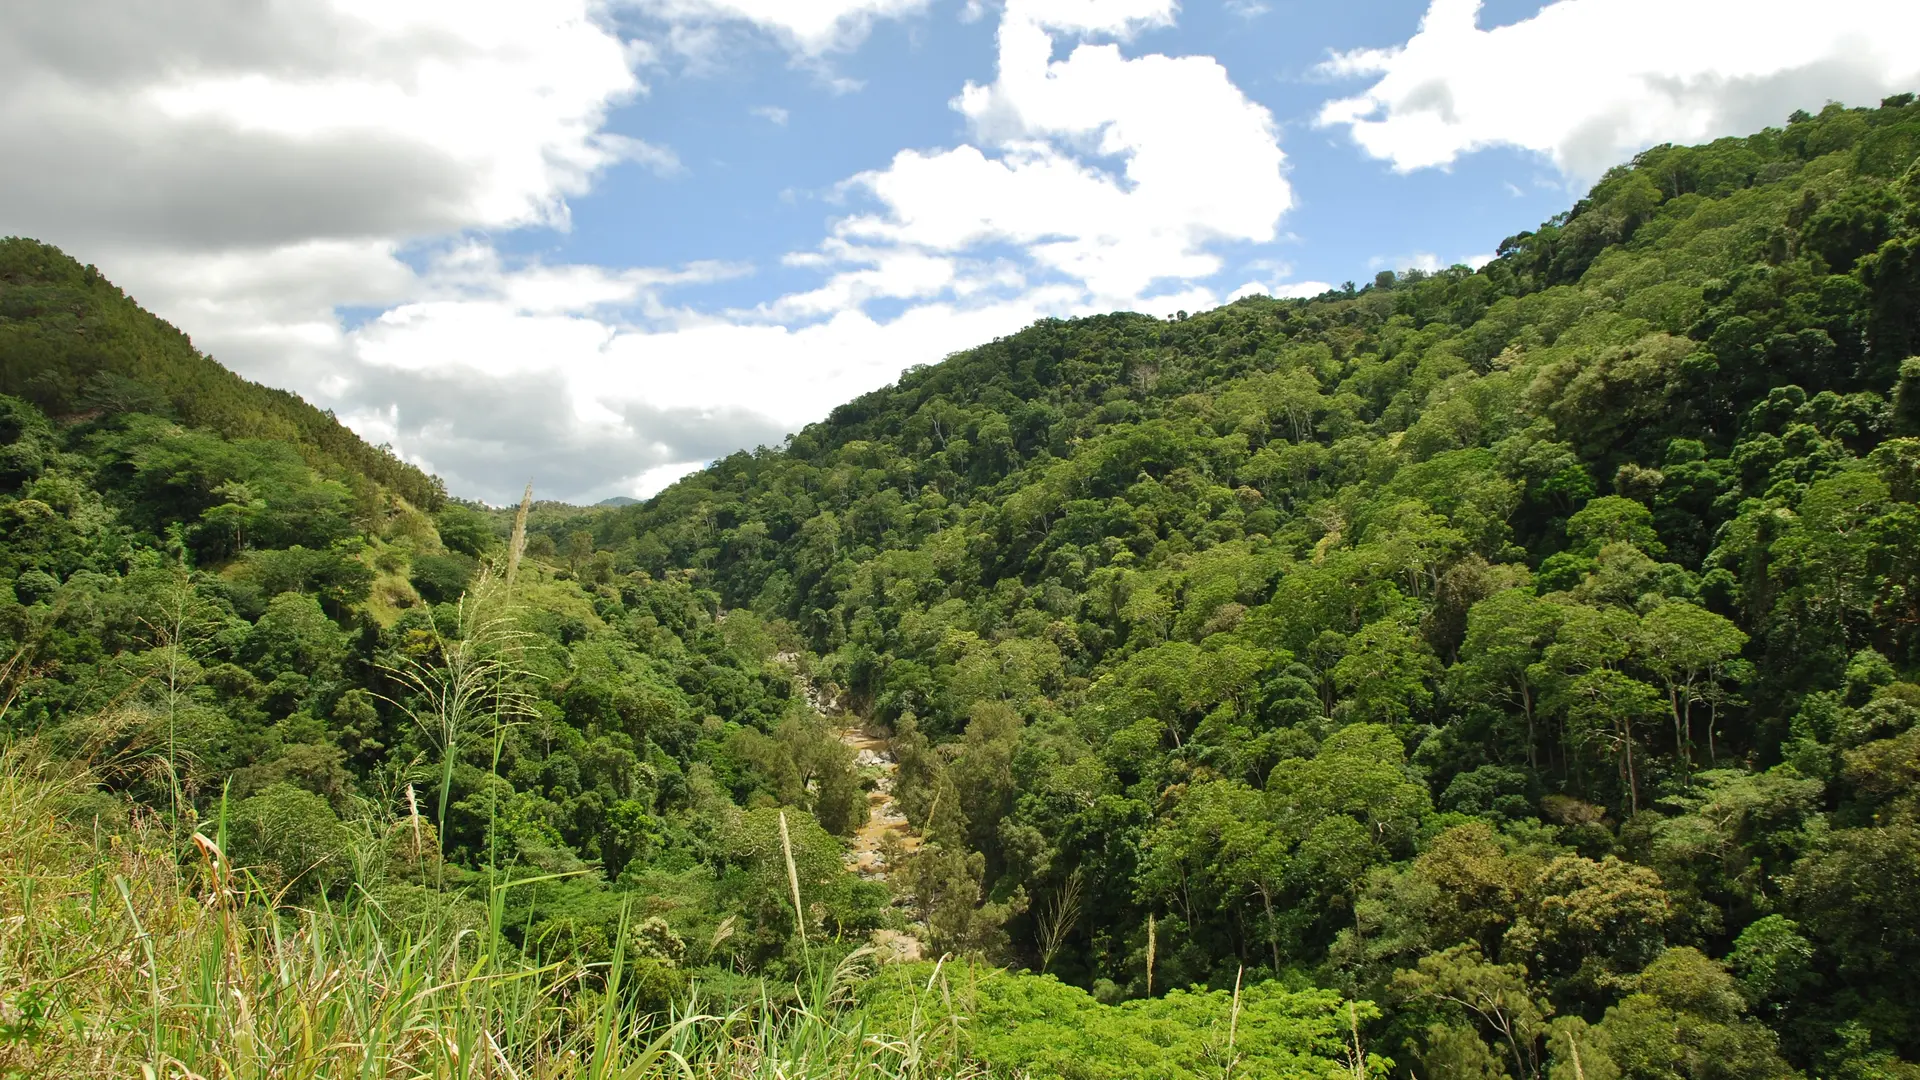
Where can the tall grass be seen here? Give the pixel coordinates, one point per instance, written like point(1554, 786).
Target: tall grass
point(517, 543)
point(122, 954)
point(472, 674)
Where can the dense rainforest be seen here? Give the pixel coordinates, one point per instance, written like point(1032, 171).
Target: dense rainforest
point(1510, 672)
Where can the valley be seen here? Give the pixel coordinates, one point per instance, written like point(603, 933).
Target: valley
point(1509, 671)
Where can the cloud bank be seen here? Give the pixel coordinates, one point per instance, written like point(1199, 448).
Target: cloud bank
point(315, 190)
point(1589, 82)
point(255, 174)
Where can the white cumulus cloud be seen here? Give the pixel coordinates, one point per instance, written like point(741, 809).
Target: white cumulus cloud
point(810, 27)
point(487, 390)
point(1588, 82)
point(1112, 171)
point(1424, 261)
point(1118, 17)
point(186, 126)
point(1281, 290)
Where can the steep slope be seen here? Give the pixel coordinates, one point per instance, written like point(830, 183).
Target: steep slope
point(72, 343)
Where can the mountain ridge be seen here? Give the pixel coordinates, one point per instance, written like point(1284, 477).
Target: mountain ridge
point(76, 346)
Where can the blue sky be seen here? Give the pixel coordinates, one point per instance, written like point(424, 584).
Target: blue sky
point(753, 189)
point(598, 243)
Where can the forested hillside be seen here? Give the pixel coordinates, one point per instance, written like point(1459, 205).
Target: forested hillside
point(1510, 672)
point(75, 346)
